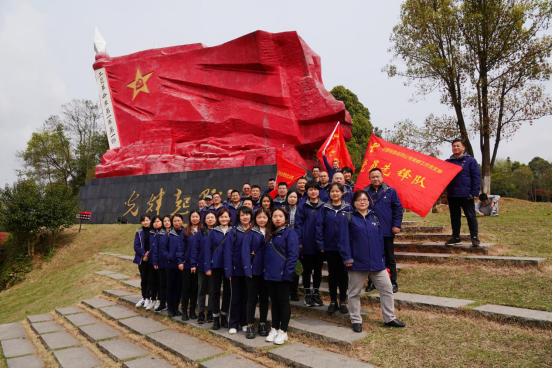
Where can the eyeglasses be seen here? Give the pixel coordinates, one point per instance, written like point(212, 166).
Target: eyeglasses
point(362, 200)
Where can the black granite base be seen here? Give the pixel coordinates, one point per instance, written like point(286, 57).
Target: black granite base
point(124, 199)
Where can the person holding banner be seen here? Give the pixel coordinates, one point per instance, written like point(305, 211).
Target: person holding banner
point(390, 213)
point(461, 193)
point(362, 249)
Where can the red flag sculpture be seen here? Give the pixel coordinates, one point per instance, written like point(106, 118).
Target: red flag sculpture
point(287, 172)
point(335, 147)
point(418, 179)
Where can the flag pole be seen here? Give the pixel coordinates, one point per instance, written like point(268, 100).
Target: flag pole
point(330, 137)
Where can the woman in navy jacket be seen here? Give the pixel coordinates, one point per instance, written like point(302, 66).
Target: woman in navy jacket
point(142, 258)
point(189, 295)
point(210, 220)
point(159, 250)
point(237, 257)
point(175, 264)
point(308, 225)
point(333, 211)
point(362, 249)
point(254, 247)
point(281, 255)
point(214, 266)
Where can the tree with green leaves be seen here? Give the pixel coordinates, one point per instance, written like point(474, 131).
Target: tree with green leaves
point(361, 123)
point(488, 59)
point(68, 147)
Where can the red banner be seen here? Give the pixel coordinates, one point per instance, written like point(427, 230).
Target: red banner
point(287, 172)
point(335, 147)
point(418, 179)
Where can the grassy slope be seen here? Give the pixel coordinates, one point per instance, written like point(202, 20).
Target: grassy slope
point(523, 228)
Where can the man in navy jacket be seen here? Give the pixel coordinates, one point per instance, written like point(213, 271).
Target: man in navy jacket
point(388, 208)
point(461, 193)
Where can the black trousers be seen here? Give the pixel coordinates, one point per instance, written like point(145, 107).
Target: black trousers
point(257, 292)
point(144, 270)
point(455, 206)
point(189, 295)
point(294, 285)
point(390, 258)
point(174, 285)
point(203, 290)
point(279, 292)
point(312, 264)
point(238, 302)
point(153, 283)
point(215, 305)
point(162, 295)
point(337, 276)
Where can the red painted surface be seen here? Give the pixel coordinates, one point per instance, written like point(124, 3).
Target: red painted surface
point(192, 107)
point(3, 237)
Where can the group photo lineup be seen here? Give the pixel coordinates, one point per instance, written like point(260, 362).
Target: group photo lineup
point(291, 184)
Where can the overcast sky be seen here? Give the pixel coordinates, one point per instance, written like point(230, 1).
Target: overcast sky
point(47, 55)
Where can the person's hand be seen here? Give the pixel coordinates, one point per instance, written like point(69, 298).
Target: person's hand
point(181, 267)
point(208, 273)
point(156, 267)
point(145, 258)
point(193, 270)
point(396, 230)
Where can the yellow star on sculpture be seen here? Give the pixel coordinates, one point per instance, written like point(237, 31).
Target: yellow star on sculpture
point(139, 84)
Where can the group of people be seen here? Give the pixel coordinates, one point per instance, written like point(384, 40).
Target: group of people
point(236, 255)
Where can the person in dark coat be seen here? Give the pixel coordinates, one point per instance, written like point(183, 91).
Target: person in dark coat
point(281, 255)
point(337, 273)
point(189, 295)
point(308, 225)
point(461, 192)
point(362, 250)
point(159, 250)
point(280, 200)
point(388, 208)
point(210, 222)
point(175, 264)
point(142, 258)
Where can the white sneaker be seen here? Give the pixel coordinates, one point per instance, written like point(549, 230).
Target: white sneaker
point(151, 305)
point(281, 337)
point(146, 303)
point(245, 328)
point(140, 303)
point(272, 334)
point(232, 331)
point(156, 304)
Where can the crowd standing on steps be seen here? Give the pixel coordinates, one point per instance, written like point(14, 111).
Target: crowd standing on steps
point(249, 252)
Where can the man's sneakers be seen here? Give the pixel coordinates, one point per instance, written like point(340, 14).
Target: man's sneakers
point(396, 323)
point(475, 242)
point(332, 308)
point(272, 335)
point(262, 329)
point(395, 288)
point(250, 333)
point(281, 337)
point(370, 286)
point(344, 308)
point(308, 299)
point(140, 302)
point(316, 297)
point(357, 327)
point(453, 241)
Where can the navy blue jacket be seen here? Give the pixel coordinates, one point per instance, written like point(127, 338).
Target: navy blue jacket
point(198, 245)
point(139, 249)
point(191, 253)
point(323, 193)
point(254, 247)
point(362, 242)
point(215, 249)
point(332, 223)
point(330, 170)
point(237, 259)
point(176, 246)
point(281, 256)
point(347, 197)
point(387, 207)
point(308, 225)
point(467, 182)
point(279, 203)
point(159, 243)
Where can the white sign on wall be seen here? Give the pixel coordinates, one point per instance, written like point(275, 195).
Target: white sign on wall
point(107, 108)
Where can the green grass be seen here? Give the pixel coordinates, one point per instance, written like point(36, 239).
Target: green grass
point(443, 340)
point(523, 228)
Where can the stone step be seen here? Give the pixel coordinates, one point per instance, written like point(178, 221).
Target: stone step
point(409, 223)
point(328, 332)
point(180, 344)
point(108, 340)
point(17, 349)
point(424, 301)
point(421, 229)
point(66, 349)
point(299, 355)
point(430, 237)
point(500, 260)
point(439, 247)
point(502, 312)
